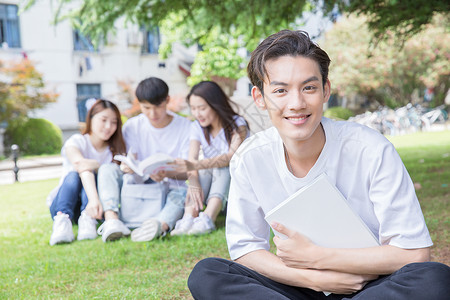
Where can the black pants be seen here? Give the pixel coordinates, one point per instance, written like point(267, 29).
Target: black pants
point(217, 278)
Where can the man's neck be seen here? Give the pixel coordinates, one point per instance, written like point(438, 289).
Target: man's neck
point(301, 156)
point(164, 122)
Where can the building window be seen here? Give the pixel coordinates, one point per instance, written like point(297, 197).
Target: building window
point(85, 92)
point(9, 26)
point(152, 40)
point(82, 42)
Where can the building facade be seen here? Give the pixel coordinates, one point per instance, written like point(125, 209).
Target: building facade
point(74, 69)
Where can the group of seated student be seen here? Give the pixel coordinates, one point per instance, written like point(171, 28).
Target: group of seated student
point(91, 186)
point(289, 73)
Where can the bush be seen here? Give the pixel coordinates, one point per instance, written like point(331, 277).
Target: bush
point(33, 136)
point(338, 113)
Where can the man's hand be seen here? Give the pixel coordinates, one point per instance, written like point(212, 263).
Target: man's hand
point(125, 168)
point(297, 251)
point(94, 209)
point(339, 283)
point(159, 176)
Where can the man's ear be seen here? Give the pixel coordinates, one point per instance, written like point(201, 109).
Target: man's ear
point(326, 91)
point(168, 99)
point(258, 98)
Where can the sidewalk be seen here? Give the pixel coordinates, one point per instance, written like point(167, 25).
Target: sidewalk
point(38, 168)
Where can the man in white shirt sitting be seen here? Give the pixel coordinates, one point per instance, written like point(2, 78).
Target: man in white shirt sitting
point(290, 77)
point(155, 130)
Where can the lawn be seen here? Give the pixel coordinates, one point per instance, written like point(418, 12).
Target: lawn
point(30, 268)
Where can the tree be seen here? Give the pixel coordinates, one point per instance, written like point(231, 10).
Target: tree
point(401, 18)
point(386, 73)
point(218, 27)
point(22, 90)
point(221, 26)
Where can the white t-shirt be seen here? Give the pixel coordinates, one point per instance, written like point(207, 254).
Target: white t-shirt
point(218, 145)
point(362, 163)
point(146, 140)
point(82, 143)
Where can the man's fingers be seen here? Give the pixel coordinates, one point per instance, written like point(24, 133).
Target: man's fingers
point(282, 229)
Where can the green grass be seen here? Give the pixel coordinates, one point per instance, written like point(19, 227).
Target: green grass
point(30, 268)
point(427, 158)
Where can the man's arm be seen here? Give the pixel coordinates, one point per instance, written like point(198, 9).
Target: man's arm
point(379, 260)
point(272, 267)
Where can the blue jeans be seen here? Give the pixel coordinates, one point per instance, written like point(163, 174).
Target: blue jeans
point(110, 182)
point(71, 198)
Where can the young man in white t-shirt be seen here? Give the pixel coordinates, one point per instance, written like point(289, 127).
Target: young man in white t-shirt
point(155, 130)
point(290, 77)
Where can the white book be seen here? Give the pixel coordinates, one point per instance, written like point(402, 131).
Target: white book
point(150, 165)
point(320, 212)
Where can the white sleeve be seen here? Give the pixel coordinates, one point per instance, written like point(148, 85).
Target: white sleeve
point(77, 141)
point(246, 229)
point(184, 147)
point(195, 131)
point(395, 202)
point(129, 135)
point(240, 121)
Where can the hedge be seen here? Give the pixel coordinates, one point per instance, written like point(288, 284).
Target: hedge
point(33, 136)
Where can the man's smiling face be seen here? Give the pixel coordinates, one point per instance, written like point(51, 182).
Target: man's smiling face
point(294, 95)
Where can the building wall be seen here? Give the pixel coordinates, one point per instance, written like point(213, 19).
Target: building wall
point(51, 49)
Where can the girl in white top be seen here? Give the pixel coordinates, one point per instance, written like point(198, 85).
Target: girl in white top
point(76, 194)
point(218, 131)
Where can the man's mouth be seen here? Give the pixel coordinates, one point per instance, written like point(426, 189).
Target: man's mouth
point(299, 118)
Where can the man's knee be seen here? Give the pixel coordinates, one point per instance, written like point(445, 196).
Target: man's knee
point(436, 280)
point(200, 280)
point(426, 280)
point(111, 169)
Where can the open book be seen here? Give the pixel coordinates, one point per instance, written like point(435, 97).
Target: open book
point(321, 213)
point(150, 165)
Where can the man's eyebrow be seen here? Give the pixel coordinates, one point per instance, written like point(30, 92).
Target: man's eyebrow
point(278, 83)
point(312, 78)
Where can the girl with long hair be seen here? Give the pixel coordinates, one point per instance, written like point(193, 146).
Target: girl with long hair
point(76, 198)
point(218, 131)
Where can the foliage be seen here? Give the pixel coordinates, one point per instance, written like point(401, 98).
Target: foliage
point(22, 91)
point(218, 27)
point(387, 71)
point(34, 136)
point(338, 113)
point(403, 18)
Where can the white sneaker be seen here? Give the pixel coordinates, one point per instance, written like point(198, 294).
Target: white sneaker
point(62, 230)
point(183, 225)
point(113, 229)
point(202, 224)
point(87, 227)
point(149, 230)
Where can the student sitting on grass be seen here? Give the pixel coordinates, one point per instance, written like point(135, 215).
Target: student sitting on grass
point(218, 131)
point(155, 130)
point(76, 198)
point(290, 77)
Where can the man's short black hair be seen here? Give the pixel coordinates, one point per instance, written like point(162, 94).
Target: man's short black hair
point(152, 90)
point(285, 43)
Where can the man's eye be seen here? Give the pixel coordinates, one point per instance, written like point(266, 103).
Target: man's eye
point(280, 91)
point(310, 88)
